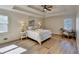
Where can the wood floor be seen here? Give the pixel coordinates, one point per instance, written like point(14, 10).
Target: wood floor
point(55, 45)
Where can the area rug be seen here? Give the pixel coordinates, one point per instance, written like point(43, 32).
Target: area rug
point(7, 48)
point(12, 49)
point(18, 50)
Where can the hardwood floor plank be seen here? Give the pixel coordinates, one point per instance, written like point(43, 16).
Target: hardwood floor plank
point(55, 45)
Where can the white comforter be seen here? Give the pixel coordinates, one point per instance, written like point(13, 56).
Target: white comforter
point(39, 34)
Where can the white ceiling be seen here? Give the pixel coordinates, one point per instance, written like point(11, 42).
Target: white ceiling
point(37, 10)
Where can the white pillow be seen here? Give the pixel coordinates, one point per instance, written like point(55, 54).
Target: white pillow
point(30, 28)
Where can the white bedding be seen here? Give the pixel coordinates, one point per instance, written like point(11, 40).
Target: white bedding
point(39, 34)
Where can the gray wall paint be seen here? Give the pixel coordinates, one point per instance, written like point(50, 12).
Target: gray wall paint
point(56, 22)
point(14, 25)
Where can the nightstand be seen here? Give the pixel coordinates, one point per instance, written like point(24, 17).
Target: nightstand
point(23, 35)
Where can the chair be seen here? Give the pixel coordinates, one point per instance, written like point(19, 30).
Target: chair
point(68, 34)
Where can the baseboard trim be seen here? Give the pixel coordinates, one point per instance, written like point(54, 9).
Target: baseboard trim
point(9, 41)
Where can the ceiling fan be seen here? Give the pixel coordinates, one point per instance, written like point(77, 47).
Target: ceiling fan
point(47, 7)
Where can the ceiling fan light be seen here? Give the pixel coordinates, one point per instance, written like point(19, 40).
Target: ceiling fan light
point(45, 9)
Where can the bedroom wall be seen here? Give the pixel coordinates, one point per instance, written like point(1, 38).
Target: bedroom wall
point(56, 22)
point(14, 26)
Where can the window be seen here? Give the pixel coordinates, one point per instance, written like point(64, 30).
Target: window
point(68, 24)
point(3, 24)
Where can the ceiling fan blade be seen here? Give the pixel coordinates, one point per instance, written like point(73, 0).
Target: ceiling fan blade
point(49, 9)
point(49, 6)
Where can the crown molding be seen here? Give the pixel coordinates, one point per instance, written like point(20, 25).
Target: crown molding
point(20, 12)
point(24, 9)
point(65, 13)
point(29, 9)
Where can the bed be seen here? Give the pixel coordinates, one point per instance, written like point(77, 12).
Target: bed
point(39, 35)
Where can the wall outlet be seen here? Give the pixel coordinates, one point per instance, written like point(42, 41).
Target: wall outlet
point(5, 38)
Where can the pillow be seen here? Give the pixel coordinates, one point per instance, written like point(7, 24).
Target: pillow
point(30, 28)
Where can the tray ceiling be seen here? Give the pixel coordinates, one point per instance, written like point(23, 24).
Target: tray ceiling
point(38, 9)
